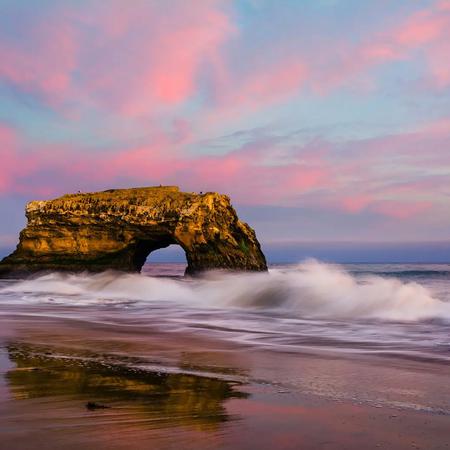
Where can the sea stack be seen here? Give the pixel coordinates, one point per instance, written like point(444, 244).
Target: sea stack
point(118, 228)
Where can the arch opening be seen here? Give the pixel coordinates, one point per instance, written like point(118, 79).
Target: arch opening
point(165, 261)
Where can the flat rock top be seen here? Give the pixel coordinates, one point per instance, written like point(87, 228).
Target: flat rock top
point(122, 194)
point(149, 196)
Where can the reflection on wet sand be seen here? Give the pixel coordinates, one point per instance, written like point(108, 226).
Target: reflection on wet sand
point(61, 397)
point(152, 398)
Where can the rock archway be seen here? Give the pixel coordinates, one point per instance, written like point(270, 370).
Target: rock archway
point(119, 228)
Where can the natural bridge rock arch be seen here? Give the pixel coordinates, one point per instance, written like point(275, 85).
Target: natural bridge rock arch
point(119, 228)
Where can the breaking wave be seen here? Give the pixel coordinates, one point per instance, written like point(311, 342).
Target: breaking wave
point(309, 290)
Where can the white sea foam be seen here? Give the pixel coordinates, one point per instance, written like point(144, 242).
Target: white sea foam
point(310, 290)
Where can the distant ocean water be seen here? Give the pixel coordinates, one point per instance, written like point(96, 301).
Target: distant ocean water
point(401, 310)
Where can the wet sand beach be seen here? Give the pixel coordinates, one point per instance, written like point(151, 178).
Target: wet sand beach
point(69, 383)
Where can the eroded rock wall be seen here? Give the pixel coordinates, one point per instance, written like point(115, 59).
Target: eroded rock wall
point(118, 229)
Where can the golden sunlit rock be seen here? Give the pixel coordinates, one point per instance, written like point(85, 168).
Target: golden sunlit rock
point(118, 229)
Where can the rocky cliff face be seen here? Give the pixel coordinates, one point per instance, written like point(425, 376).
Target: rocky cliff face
point(118, 229)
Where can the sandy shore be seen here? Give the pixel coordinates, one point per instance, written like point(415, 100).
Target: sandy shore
point(69, 384)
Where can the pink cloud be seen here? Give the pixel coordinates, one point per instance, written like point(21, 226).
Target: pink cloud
point(423, 34)
point(429, 31)
point(420, 29)
point(14, 162)
point(401, 210)
point(265, 84)
point(43, 63)
point(131, 58)
point(7, 156)
point(149, 55)
point(356, 203)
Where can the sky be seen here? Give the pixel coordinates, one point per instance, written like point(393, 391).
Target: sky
point(324, 120)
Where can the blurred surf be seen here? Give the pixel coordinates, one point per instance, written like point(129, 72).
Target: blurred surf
point(377, 308)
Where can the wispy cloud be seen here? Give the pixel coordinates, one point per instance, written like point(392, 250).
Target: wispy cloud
point(353, 176)
point(177, 74)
